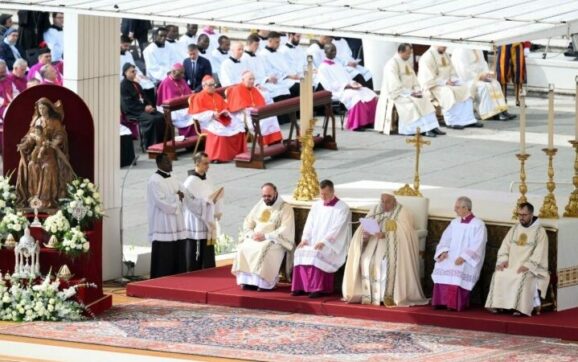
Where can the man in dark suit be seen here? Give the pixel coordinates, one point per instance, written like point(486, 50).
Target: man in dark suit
point(136, 29)
point(196, 67)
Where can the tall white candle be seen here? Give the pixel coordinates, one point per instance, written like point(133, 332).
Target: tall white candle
point(551, 116)
point(523, 122)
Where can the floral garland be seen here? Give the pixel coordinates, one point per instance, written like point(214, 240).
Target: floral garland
point(23, 300)
point(74, 242)
point(13, 223)
point(56, 225)
point(83, 205)
point(7, 195)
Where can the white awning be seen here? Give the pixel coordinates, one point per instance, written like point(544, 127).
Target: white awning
point(472, 23)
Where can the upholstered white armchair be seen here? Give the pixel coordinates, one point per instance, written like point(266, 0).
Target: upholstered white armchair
point(419, 207)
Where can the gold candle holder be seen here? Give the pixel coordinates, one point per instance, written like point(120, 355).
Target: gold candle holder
point(549, 208)
point(571, 209)
point(523, 157)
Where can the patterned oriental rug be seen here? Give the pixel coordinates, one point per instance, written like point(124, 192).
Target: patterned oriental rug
point(276, 336)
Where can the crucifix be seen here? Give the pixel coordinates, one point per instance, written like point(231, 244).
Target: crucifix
point(418, 143)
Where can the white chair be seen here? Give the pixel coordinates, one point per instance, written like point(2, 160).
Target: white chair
point(419, 207)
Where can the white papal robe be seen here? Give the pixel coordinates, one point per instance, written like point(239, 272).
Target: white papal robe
point(465, 240)
point(257, 262)
point(522, 246)
point(398, 83)
point(328, 225)
point(334, 78)
point(385, 270)
point(470, 65)
point(435, 70)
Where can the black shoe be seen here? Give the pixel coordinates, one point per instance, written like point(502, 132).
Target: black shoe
point(316, 295)
point(455, 127)
point(263, 290)
point(502, 117)
point(477, 125)
point(215, 161)
point(509, 115)
point(438, 131)
point(429, 134)
point(297, 293)
point(248, 287)
point(360, 129)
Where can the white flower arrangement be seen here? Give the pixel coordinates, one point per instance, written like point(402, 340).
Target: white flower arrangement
point(57, 225)
point(7, 195)
point(83, 203)
point(225, 244)
point(74, 242)
point(25, 301)
point(13, 223)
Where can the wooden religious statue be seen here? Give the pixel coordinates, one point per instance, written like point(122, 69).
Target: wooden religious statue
point(44, 169)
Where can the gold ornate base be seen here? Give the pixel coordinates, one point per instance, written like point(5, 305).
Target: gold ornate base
point(549, 208)
point(308, 185)
point(571, 209)
point(523, 157)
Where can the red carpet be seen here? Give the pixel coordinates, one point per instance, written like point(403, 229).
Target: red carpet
point(217, 287)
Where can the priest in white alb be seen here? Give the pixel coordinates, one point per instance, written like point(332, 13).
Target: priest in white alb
point(203, 227)
point(459, 258)
point(383, 266)
point(323, 245)
point(166, 200)
point(401, 92)
point(521, 278)
point(473, 69)
point(438, 77)
point(360, 101)
point(268, 234)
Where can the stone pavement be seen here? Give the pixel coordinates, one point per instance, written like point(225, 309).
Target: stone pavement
point(471, 159)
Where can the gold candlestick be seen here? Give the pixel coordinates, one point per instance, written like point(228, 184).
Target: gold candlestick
point(523, 157)
point(549, 208)
point(571, 209)
point(418, 142)
point(308, 185)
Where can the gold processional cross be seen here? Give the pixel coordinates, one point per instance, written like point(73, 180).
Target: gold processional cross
point(418, 143)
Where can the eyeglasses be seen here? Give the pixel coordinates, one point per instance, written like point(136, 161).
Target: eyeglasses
point(211, 84)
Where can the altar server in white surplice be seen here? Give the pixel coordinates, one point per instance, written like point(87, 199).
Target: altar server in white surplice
point(294, 54)
point(384, 267)
point(268, 234)
point(360, 101)
point(158, 57)
point(323, 245)
point(459, 258)
point(401, 90)
point(345, 56)
point(233, 68)
point(473, 69)
point(203, 228)
point(277, 64)
point(437, 75)
point(522, 266)
point(166, 201)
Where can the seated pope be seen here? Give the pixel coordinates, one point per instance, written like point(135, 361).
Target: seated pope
point(268, 234)
point(383, 266)
point(323, 245)
point(521, 278)
point(459, 258)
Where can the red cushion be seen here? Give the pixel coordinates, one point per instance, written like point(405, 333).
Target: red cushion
point(186, 143)
point(268, 151)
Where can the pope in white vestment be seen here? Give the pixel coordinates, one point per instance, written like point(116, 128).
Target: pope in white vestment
point(268, 234)
point(384, 267)
point(521, 267)
point(323, 245)
point(361, 102)
point(459, 258)
point(437, 75)
point(401, 90)
point(473, 69)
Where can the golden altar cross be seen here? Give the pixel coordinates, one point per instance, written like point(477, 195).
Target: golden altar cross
point(418, 143)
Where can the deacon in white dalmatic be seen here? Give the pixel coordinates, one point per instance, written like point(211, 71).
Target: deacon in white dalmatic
point(268, 234)
point(401, 91)
point(521, 275)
